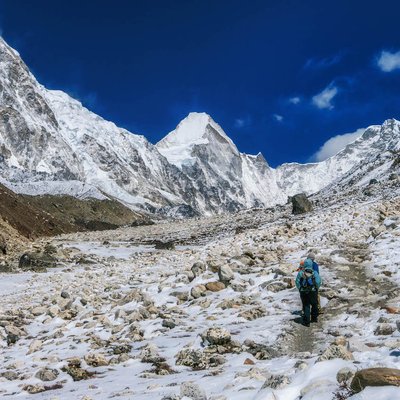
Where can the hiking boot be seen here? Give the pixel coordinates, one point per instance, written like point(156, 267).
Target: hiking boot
point(305, 323)
point(315, 320)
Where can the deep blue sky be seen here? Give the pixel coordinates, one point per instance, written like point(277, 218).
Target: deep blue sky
point(146, 64)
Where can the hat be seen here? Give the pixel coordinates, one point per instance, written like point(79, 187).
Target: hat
point(311, 255)
point(308, 265)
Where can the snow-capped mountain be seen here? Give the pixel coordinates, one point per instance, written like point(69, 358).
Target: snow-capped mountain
point(51, 144)
point(203, 152)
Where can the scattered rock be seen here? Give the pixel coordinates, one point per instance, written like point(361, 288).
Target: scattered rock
point(198, 268)
point(384, 329)
point(150, 354)
point(198, 360)
point(193, 391)
point(38, 388)
point(375, 377)
point(215, 286)
point(181, 296)
point(276, 286)
point(35, 346)
point(253, 313)
point(37, 262)
point(276, 382)
point(198, 291)
point(225, 274)
point(122, 349)
point(96, 360)
point(216, 336)
point(47, 374)
point(168, 323)
point(259, 351)
point(10, 375)
point(344, 375)
point(75, 371)
point(335, 351)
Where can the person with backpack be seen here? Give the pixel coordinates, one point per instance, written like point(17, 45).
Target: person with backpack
point(308, 282)
point(311, 256)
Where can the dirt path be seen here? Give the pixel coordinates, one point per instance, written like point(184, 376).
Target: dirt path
point(352, 287)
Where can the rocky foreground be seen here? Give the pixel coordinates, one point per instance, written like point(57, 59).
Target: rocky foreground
point(207, 309)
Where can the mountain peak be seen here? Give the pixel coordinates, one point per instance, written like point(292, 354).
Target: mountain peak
point(196, 129)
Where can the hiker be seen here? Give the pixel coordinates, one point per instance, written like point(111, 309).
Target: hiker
point(311, 256)
point(308, 282)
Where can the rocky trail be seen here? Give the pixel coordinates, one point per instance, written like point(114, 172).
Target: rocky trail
point(162, 312)
point(365, 294)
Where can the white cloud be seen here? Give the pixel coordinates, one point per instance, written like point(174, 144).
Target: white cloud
point(278, 117)
point(388, 62)
point(242, 122)
point(320, 63)
point(294, 100)
point(336, 144)
point(324, 99)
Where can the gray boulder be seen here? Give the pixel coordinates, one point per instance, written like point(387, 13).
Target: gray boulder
point(225, 274)
point(37, 262)
point(301, 204)
point(47, 374)
point(216, 336)
point(193, 391)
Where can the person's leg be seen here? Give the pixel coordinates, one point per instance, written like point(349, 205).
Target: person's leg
point(305, 298)
point(314, 306)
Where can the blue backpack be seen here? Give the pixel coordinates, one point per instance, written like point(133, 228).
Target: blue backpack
point(307, 284)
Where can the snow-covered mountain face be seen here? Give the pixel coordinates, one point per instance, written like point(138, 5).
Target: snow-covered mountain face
point(229, 179)
point(51, 144)
point(201, 149)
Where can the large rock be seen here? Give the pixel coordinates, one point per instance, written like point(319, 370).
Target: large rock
point(384, 330)
point(301, 204)
point(216, 336)
point(198, 291)
point(198, 268)
point(225, 274)
point(150, 354)
point(47, 374)
point(215, 286)
point(344, 375)
point(375, 377)
point(37, 262)
point(198, 360)
point(336, 351)
point(96, 360)
point(193, 391)
point(276, 382)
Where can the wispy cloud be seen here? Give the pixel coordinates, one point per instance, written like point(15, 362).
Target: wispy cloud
point(324, 99)
point(388, 61)
point(278, 117)
point(294, 100)
point(242, 122)
point(323, 62)
point(336, 144)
